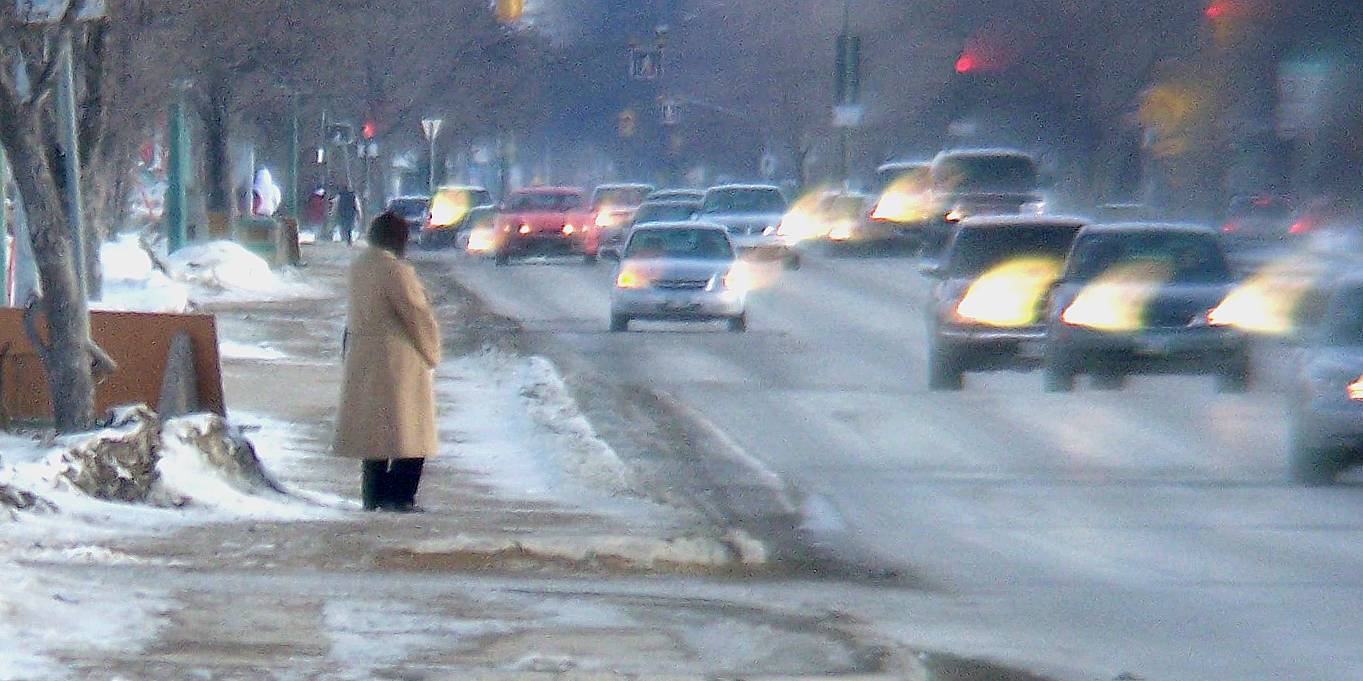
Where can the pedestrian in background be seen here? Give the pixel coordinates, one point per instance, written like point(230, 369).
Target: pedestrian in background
point(347, 212)
point(390, 351)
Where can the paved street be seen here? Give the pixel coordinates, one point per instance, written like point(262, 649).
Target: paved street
point(1149, 530)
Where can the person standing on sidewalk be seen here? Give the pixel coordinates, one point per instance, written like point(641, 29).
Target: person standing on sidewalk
point(390, 351)
point(347, 212)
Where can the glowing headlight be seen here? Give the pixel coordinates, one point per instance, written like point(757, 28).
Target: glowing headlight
point(629, 279)
point(569, 229)
point(842, 232)
point(737, 279)
point(955, 215)
point(604, 219)
point(1355, 390)
point(525, 229)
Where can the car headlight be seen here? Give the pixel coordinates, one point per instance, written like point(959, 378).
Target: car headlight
point(771, 230)
point(525, 229)
point(629, 279)
point(1355, 390)
point(569, 229)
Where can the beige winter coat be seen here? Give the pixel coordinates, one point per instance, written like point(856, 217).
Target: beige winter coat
point(392, 348)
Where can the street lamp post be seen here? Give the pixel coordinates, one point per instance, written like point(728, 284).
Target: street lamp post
point(431, 128)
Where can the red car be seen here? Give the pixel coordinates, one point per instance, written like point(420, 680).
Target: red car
point(545, 220)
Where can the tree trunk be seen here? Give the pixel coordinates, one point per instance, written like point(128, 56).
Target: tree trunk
point(66, 356)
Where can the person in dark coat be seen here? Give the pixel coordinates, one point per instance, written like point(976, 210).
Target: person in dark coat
point(347, 212)
point(391, 349)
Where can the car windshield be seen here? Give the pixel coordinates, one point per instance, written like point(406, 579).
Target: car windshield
point(697, 244)
point(744, 201)
point(552, 202)
point(665, 212)
point(409, 208)
point(977, 250)
point(619, 197)
point(987, 173)
point(1187, 257)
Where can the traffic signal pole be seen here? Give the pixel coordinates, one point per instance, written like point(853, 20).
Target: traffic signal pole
point(844, 143)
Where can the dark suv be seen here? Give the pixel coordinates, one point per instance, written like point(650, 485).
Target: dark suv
point(987, 308)
point(1142, 298)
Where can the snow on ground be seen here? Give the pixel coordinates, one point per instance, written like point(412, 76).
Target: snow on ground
point(217, 271)
point(516, 424)
point(230, 349)
point(133, 284)
point(224, 271)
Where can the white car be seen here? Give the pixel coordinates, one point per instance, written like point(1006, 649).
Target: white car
point(752, 215)
point(679, 271)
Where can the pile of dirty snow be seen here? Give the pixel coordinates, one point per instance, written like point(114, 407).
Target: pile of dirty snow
point(132, 283)
point(226, 271)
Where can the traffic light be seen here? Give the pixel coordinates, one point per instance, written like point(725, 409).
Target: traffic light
point(510, 11)
point(368, 130)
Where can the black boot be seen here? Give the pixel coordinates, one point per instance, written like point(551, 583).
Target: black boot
point(404, 475)
point(373, 483)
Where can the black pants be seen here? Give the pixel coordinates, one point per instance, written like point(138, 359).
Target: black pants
point(390, 483)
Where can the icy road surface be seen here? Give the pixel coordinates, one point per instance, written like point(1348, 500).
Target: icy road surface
point(1149, 530)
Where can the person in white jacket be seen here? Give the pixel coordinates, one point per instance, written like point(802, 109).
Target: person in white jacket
point(267, 195)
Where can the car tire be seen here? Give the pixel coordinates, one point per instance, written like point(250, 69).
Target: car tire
point(619, 322)
point(502, 258)
point(1315, 466)
point(944, 369)
point(738, 324)
point(1058, 371)
point(1234, 376)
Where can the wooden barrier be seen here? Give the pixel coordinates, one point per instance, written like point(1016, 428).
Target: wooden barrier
point(140, 343)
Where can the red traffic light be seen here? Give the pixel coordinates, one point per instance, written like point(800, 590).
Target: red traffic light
point(368, 130)
point(1217, 10)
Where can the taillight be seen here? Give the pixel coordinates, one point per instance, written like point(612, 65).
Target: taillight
point(1229, 227)
point(1299, 227)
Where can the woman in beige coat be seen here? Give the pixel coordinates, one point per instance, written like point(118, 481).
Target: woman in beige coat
point(391, 349)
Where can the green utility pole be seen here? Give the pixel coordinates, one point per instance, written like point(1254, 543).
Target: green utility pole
point(4, 231)
point(177, 169)
point(75, 206)
point(291, 182)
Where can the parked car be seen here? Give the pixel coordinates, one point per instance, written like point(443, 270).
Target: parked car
point(449, 209)
point(752, 213)
point(1327, 412)
point(1142, 298)
point(414, 210)
point(987, 307)
point(613, 207)
point(685, 271)
point(544, 220)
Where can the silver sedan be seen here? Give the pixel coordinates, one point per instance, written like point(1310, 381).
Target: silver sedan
point(682, 271)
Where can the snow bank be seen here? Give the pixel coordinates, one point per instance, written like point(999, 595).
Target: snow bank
point(225, 271)
point(697, 553)
point(133, 284)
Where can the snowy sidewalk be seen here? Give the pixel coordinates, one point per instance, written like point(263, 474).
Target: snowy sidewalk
point(526, 510)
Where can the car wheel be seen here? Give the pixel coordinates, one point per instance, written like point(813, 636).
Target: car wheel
point(1315, 466)
point(502, 258)
point(1058, 371)
point(619, 322)
point(1234, 377)
point(944, 368)
point(738, 324)
point(792, 261)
